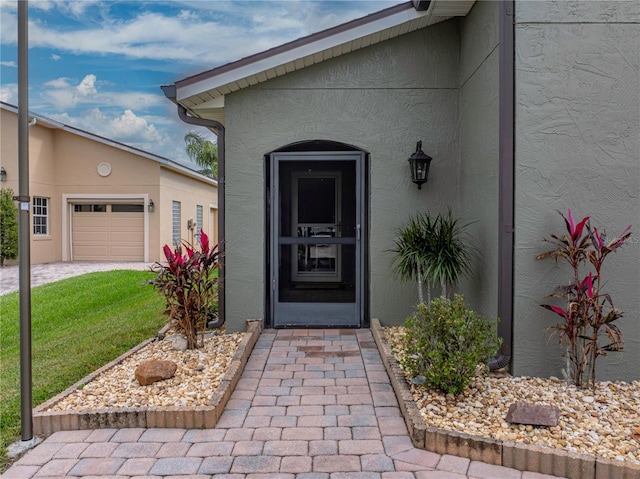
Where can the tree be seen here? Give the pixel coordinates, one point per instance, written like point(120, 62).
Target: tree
point(8, 226)
point(203, 152)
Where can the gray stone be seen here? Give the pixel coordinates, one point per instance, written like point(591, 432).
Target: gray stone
point(533, 414)
point(155, 370)
point(178, 342)
point(20, 447)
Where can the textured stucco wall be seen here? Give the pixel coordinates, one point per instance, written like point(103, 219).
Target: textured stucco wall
point(358, 99)
point(577, 146)
point(478, 193)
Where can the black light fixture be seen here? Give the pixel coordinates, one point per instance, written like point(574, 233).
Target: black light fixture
point(151, 207)
point(3, 174)
point(419, 163)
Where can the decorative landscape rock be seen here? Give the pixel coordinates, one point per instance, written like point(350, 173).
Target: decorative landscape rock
point(178, 342)
point(155, 370)
point(533, 414)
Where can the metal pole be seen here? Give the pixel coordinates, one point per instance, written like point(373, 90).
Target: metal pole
point(24, 250)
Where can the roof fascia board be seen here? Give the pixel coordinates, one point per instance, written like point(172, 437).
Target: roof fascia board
point(457, 8)
point(40, 120)
point(187, 88)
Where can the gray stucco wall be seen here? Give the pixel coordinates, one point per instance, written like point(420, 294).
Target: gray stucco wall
point(362, 100)
point(478, 198)
point(577, 146)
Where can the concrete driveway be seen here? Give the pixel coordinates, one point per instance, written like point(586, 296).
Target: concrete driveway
point(50, 272)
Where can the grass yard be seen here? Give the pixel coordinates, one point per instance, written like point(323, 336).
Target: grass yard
point(78, 325)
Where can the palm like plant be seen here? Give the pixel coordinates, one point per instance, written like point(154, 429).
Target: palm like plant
point(433, 250)
point(203, 152)
point(412, 251)
point(451, 257)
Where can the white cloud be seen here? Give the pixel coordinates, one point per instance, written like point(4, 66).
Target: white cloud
point(123, 126)
point(61, 99)
point(8, 22)
point(59, 83)
point(87, 86)
point(138, 100)
point(64, 95)
point(9, 93)
point(55, 57)
point(203, 33)
point(42, 5)
point(129, 127)
point(10, 64)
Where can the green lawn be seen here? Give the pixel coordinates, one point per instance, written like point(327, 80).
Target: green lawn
point(78, 325)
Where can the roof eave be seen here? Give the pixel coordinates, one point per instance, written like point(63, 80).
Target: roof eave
point(203, 94)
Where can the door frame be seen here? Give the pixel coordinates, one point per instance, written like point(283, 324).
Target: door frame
point(273, 241)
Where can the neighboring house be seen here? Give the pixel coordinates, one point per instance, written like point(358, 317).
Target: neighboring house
point(97, 199)
point(526, 108)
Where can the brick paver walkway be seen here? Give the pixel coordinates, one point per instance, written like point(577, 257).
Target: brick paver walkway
point(311, 404)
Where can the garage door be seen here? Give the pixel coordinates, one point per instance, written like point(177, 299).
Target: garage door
point(108, 232)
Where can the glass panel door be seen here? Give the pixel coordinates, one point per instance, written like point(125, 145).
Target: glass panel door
point(316, 214)
point(316, 221)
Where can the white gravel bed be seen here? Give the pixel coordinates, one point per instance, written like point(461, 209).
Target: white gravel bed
point(198, 375)
point(604, 422)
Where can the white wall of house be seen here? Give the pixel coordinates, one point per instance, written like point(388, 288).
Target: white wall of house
point(577, 146)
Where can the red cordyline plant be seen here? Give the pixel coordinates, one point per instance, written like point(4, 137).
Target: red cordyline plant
point(189, 285)
point(589, 312)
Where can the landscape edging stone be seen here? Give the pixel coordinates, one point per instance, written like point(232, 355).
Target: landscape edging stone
point(523, 457)
point(45, 423)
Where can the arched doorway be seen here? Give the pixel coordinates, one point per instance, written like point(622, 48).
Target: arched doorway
point(317, 231)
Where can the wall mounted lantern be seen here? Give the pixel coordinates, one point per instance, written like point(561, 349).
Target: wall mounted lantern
point(151, 207)
point(419, 163)
point(3, 174)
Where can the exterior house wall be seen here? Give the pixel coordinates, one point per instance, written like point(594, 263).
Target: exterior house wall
point(63, 167)
point(42, 174)
point(177, 187)
point(358, 99)
point(77, 160)
point(42, 168)
point(478, 198)
point(577, 146)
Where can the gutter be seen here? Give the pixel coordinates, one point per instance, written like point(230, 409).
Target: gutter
point(506, 185)
point(170, 92)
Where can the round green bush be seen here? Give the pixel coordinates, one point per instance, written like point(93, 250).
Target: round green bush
point(445, 343)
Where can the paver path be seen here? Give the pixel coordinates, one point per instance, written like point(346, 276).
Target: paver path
point(311, 404)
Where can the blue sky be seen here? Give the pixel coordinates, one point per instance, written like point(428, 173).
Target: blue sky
point(98, 65)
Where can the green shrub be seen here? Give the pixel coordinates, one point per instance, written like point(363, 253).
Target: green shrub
point(8, 226)
point(446, 342)
point(189, 285)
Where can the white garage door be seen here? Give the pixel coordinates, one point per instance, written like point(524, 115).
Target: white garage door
point(108, 232)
